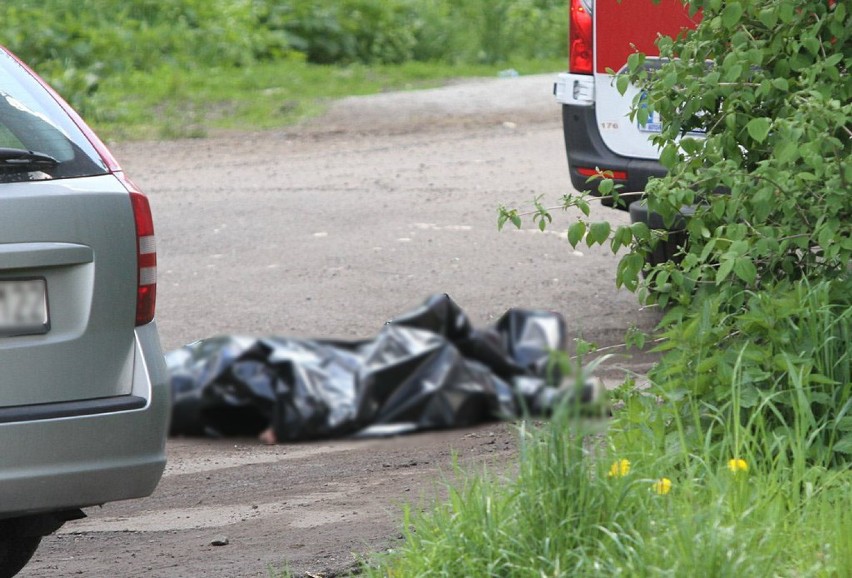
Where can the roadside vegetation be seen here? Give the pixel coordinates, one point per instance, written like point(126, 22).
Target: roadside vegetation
point(734, 461)
point(147, 68)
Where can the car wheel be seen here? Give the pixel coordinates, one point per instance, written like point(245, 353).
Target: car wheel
point(15, 552)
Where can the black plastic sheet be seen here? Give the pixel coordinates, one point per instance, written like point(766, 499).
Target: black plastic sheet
point(426, 369)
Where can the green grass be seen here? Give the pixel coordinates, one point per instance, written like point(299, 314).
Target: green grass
point(149, 69)
point(172, 103)
point(564, 515)
point(571, 511)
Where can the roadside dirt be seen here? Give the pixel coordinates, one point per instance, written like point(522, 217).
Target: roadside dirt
point(328, 230)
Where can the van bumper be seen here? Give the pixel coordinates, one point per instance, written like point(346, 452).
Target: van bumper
point(586, 150)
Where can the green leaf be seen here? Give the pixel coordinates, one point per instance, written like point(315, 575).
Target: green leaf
point(641, 231)
point(786, 11)
point(690, 145)
point(758, 128)
point(576, 232)
point(787, 151)
point(781, 84)
point(622, 237)
point(598, 233)
point(733, 72)
point(605, 186)
point(627, 272)
point(731, 14)
point(768, 17)
point(635, 61)
point(739, 247)
point(516, 220)
point(668, 157)
point(844, 445)
point(811, 44)
point(621, 83)
point(749, 396)
point(745, 269)
point(724, 270)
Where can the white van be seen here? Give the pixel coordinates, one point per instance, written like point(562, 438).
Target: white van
point(599, 134)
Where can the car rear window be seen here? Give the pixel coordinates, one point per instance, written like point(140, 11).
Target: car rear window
point(32, 121)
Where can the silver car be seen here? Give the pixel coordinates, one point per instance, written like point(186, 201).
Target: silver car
point(84, 400)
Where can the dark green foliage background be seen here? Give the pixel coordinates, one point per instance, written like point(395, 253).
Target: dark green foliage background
point(77, 43)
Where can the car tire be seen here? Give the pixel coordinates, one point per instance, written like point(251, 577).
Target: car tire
point(15, 552)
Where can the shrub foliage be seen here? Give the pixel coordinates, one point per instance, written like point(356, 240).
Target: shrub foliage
point(762, 295)
point(75, 44)
point(757, 305)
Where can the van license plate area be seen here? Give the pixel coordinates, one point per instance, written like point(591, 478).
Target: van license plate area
point(654, 124)
point(23, 307)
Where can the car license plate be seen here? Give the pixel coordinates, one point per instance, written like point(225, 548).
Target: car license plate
point(23, 307)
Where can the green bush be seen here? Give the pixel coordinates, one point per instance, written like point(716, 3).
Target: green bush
point(757, 322)
point(76, 44)
point(763, 288)
point(330, 31)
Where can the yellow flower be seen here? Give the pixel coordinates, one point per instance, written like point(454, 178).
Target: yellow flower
point(737, 465)
point(663, 486)
point(619, 469)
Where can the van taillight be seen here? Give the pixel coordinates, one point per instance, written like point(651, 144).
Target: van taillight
point(580, 47)
point(146, 259)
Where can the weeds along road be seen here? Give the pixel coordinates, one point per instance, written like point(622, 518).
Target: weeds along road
point(328, 230)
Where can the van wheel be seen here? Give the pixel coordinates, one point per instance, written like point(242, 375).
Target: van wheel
point(15, 552)
point(668, 250)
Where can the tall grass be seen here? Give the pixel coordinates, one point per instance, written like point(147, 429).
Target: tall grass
point(754, 485)
point(564, 515)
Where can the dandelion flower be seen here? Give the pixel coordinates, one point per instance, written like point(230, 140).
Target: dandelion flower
point(662, 486)
point(619, 469)
point(737, 465)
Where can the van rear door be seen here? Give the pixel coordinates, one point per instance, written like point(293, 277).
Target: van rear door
point(622, 27)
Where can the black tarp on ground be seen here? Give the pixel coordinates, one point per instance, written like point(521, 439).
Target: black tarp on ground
point(426, 369)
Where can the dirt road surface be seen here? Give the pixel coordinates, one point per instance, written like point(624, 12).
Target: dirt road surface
point(328, 230)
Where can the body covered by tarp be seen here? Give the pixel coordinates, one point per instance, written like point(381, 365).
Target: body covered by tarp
point(426, 369)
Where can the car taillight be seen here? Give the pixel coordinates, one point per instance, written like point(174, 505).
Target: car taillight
point(146, 259)
point(580, 47)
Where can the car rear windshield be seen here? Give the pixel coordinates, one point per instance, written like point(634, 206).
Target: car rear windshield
point(38, 140)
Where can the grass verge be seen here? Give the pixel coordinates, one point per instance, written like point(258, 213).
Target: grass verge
point(173, 103)
point(569, 513)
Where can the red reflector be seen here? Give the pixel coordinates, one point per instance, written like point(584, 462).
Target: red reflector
point(590, 172)
point(580, 47)
point(146, 259)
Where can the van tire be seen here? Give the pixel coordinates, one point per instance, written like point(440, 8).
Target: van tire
point(670, 248)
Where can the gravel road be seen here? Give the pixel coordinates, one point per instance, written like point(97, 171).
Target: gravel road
point(327, 230)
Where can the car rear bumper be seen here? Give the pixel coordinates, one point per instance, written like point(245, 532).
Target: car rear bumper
point(90, 458)
point(586, 150)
